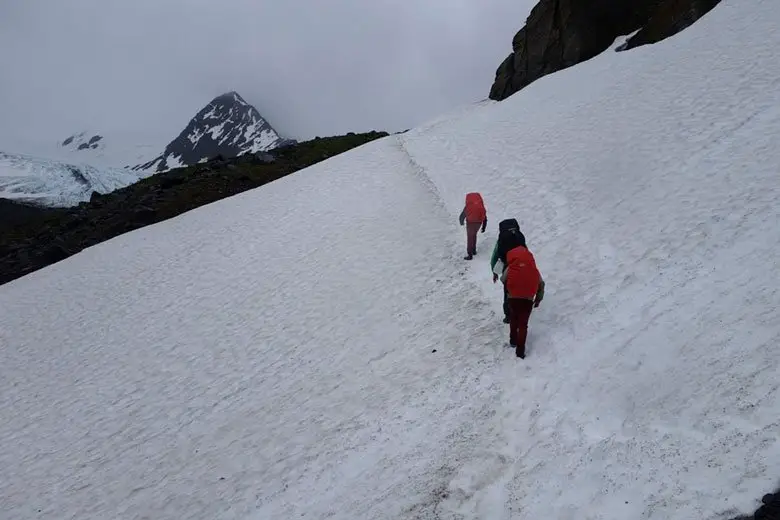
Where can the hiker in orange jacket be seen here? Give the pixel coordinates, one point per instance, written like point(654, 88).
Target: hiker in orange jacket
point(475, 216)
point(525, 290)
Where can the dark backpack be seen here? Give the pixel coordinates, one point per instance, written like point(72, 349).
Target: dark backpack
point(509, 233)
point(507, 224)
point(509, 237)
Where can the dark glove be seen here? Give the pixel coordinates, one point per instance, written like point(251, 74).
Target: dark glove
point(484, 225)
point(539, 294)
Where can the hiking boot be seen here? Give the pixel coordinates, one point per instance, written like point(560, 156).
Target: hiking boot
point(520, 352)
point(468, 257)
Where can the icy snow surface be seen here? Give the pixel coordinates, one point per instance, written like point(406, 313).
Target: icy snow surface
point(271, 355)
point(290, 371)
point(56, 183)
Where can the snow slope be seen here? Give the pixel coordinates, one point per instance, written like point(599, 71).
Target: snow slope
point(272, 355)
point(647, 185)
point(302, 374)
point(56, 183)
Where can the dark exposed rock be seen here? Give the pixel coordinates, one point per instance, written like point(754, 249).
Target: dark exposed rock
point(78, 175)
point(72, 222)
point(81, 142)
point(669, 18)
point(57, 251)
point(562, 33)
point(769, 509)
point(169, 181)
point(33, 237)
point(13, 213)
point(144, 215)
point(264, 158)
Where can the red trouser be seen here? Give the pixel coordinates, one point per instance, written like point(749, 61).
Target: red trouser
point(472, 228)
point(519, 314)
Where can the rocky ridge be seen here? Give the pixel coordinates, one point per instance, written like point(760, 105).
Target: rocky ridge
point(562, 33)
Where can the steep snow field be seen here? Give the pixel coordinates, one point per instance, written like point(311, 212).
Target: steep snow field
point(647, 183)
point(272, 355)
point(285, 346)
point(55, 183)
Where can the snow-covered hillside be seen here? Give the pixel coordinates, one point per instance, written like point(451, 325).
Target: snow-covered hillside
point(55, 183)
point(317, 348)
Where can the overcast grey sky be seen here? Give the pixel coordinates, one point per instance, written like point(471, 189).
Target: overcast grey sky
point(312, 67)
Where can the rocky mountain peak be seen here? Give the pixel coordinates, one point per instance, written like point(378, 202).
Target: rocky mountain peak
point(226, 126)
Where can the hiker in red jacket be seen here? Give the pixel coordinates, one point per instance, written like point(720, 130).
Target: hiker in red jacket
point(524, 287)
point(475, 216)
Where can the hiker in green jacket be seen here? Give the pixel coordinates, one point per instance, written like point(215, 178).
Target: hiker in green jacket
point(509, 234)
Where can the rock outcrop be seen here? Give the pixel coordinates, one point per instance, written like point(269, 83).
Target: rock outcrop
point(82, 141)
point(770, 509)
point(562, 33)
point(669, 18)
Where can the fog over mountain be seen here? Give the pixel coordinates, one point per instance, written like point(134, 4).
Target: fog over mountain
point(136, 70)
